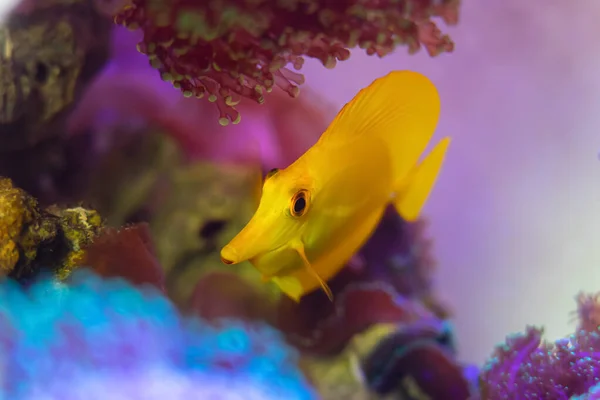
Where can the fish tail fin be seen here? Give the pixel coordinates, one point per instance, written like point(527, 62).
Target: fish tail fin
point(401, 108)
point(414, 191)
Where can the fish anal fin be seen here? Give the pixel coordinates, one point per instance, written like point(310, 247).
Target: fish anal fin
point(299, 247)
point(401, 108)
point(415, 190)
point(289, 285)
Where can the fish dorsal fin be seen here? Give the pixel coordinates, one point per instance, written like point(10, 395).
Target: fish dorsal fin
point(257, 185)
point(412, 195)
point(402, 108)
point(255, 166)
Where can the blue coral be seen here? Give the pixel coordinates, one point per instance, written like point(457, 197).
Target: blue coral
point(99, 339)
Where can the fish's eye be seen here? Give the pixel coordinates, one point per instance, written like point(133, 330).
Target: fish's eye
point(299, 203)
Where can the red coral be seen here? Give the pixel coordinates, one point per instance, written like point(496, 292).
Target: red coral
point(227, 49)
point(325, 328)
point(226, 295)
point(127, 252)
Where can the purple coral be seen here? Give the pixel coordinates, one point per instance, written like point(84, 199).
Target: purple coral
point(528, 367)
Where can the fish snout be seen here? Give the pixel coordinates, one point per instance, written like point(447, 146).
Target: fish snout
point(228, 255)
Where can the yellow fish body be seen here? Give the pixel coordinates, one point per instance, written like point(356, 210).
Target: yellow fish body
point(315, 214)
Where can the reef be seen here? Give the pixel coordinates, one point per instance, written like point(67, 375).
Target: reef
point(128, 292)
point(231, 49)
point(165, 185)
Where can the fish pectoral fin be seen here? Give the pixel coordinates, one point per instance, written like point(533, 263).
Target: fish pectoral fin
point(414, 191)
point(300, 249)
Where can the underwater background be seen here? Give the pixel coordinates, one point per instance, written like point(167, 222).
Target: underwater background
point(113, 169)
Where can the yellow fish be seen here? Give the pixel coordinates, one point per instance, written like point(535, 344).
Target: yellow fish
point(314, 215)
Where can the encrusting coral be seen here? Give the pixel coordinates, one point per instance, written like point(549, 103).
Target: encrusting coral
point(32, 239)
point(228, 49)
point(528, 367)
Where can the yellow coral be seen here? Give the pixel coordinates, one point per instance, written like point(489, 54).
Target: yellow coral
point(31, 238)
point(17, 209)
point(80, 226)
point(9, 255)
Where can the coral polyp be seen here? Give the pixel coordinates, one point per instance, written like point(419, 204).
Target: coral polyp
point(228, 49)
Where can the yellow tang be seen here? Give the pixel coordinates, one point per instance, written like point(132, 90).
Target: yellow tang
point(314, 215)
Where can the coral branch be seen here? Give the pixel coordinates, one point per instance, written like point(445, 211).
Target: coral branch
point(226, 49)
